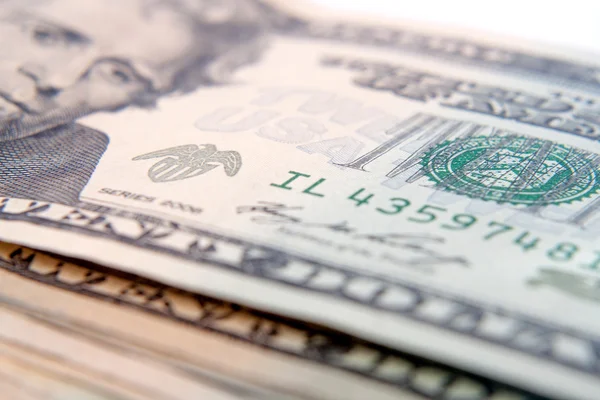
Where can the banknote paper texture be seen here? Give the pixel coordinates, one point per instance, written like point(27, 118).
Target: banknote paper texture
point(419, 189)
point(184, 329)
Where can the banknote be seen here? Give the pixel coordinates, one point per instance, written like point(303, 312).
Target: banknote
point(131, 375)
point(425, 190)
point(188, 332)
point(27, 375)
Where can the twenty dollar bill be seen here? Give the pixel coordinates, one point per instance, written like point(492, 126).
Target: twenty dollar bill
point(416, 188)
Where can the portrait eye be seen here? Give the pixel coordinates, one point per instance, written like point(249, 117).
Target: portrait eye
point(46, 35)
point(120, 74)
point(116, 72)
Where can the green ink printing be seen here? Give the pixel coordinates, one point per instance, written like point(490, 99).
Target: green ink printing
point(513, 169)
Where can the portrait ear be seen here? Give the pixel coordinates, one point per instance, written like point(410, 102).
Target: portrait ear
point(220, 69)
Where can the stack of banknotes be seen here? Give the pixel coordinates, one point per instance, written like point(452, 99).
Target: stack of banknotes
point(260, 199)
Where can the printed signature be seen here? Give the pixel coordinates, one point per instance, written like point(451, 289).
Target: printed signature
point(417, 248)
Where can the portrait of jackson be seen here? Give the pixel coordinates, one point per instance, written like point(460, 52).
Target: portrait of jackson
point(64, 59)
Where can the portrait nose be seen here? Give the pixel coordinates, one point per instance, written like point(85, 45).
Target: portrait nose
point(52, 79)
point(18, 84)
point(34, 71)
point(37, 73)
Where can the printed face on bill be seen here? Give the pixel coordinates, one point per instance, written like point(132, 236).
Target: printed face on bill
point(62, 59)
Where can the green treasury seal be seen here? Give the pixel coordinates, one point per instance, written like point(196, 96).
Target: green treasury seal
point(513, 169)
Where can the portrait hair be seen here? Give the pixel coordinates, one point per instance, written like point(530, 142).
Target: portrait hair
point(235, 33)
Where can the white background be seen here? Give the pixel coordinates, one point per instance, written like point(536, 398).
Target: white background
point(573, 23)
